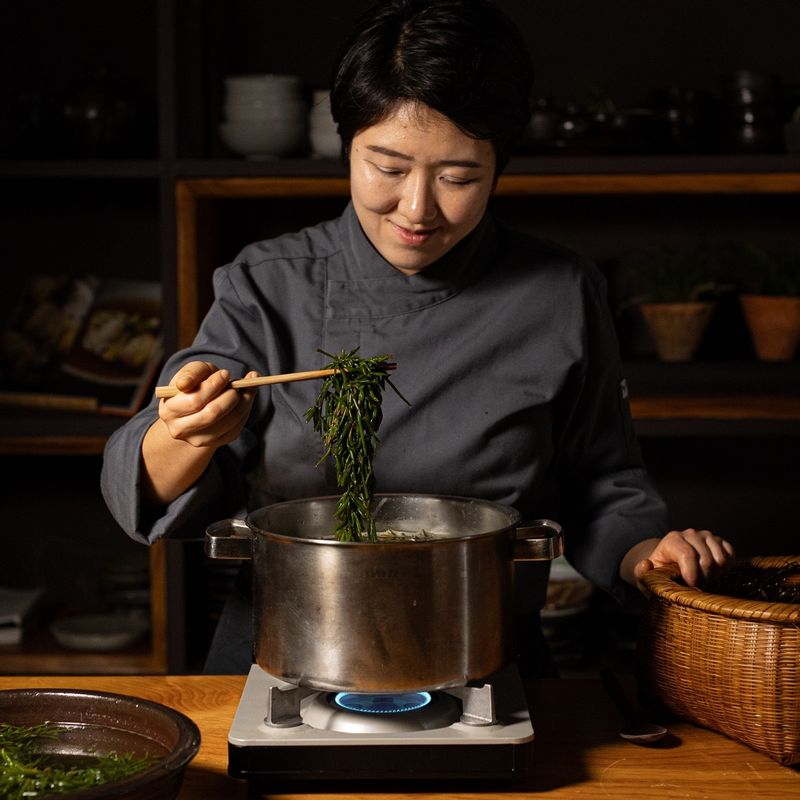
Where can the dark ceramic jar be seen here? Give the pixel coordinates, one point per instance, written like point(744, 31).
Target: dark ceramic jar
point(751, 112)
point(687, 120)
point(103, 117)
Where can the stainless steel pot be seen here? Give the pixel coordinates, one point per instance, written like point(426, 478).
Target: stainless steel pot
point(387, 616)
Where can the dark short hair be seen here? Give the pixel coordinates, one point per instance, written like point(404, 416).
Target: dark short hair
point(464, 58)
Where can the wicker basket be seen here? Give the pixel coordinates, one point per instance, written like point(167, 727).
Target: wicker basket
point(725, 663)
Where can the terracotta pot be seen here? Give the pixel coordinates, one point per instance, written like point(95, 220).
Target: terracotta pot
point(774, 324)
point(677, 328)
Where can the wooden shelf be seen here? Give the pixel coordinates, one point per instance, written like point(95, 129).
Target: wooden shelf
point(39, 653)
point(296, 183)
point(52, 445)
point(229, 179)
point(653, 164)
point(784, 408)
point(80, 168)
point(45, 438)
point(705, 183)
point(42, 655)
point(233, 167)
point(558, 173)
point(51, 433)
point(524, 166)
point(746, 391)
point(193, 194)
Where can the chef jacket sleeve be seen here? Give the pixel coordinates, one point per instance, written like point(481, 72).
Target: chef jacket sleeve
point(229, 328)
point(609, 501)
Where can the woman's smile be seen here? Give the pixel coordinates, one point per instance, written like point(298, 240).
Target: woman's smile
point(413, 238)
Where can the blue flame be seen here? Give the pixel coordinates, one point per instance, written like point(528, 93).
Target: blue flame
point(398, 703)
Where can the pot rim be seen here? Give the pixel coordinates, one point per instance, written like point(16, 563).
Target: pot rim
point(514, 519)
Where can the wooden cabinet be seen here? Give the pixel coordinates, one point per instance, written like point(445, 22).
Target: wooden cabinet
point(172, 204)
point(81, 187)
point(202, 246)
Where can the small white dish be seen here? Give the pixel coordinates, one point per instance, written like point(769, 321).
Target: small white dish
point(294, 111)
point(325, 144)
point(259, 139)
point(100, 632)
point(259, 81)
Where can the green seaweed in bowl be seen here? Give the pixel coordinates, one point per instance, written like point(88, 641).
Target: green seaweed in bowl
point(28, 770)
point(113, 746)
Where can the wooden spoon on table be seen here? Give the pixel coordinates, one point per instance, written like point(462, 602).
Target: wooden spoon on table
point(634, 729)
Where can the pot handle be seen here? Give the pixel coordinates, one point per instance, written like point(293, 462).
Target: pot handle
point(540, 540)
point(229, 538)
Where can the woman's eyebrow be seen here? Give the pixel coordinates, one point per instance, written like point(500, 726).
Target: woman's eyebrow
point(450, 162)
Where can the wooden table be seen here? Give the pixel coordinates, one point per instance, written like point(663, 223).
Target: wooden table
point(577, 753)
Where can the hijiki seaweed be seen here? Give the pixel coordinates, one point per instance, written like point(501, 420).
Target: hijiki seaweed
point(347, 415)
point(26, 771)
point(776, 585)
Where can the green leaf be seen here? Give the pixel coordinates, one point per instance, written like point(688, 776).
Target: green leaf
point(347, 414)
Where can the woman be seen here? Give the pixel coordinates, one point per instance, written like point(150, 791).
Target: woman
point(504, 344)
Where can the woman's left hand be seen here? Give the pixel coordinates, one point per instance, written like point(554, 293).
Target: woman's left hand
point(698, 554)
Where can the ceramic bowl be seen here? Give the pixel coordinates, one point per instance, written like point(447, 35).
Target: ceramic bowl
point(324, 143)
point(322, 131)
point(260, 82)
point(239, 111)
point(320, 117)
point(263, 139)
point(99, 632)
point(266, 88)
point(100, 723)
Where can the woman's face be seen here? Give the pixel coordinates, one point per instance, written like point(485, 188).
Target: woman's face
point(419, 185)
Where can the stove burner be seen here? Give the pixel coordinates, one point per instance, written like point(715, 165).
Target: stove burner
point(380, 713)
point(285, 737)
point(388, 712)
point(399, 703)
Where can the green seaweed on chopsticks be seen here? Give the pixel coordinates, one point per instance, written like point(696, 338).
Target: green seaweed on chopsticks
point(347, 415)
point(26, 770)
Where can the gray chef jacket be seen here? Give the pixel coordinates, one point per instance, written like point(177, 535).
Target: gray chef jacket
point(506, 352)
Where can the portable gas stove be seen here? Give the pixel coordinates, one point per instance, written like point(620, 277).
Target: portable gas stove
point(283, 734)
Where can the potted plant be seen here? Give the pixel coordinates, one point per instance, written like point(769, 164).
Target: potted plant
point(675, 290)
point(770, 300)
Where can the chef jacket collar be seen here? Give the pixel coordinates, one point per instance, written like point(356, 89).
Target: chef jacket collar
point(364, 284)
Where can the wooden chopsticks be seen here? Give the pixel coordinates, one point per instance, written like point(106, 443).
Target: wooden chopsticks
point(264, 380)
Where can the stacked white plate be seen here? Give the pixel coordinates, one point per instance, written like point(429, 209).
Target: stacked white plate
point(265, 116)
point(325, 141)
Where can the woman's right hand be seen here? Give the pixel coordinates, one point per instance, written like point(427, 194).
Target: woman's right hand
point(180, 444)
point(206, 412)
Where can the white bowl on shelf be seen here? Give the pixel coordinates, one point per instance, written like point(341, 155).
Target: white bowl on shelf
point(263, 139)
point(263, 88)
point(259, 81)
point(236, 111)
point(325, 143)
point(99, 632)
point(322, 123)
point(322, 130)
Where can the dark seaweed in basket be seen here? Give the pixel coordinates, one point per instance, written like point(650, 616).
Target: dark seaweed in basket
point(774, 585)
